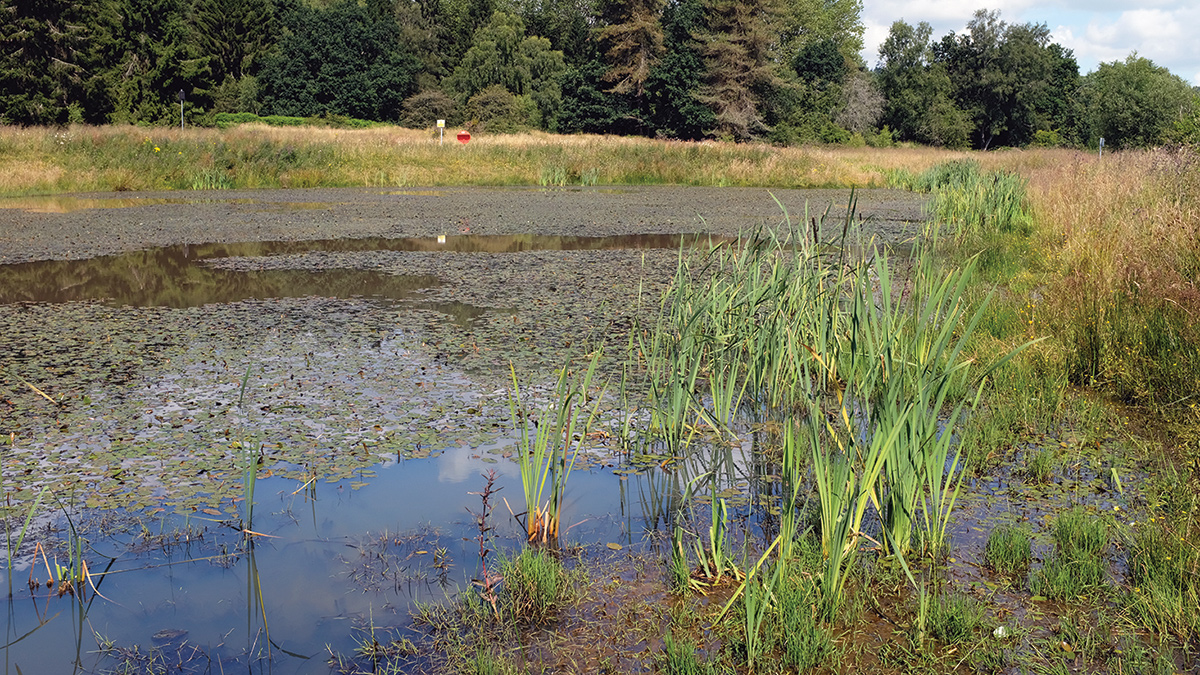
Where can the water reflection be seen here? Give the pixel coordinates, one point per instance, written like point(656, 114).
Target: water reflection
point(174, 277)
point(177, 276)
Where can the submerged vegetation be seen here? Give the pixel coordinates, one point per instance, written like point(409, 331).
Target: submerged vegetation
point(921, 444)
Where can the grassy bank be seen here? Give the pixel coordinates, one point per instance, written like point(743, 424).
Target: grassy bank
point(39, 161)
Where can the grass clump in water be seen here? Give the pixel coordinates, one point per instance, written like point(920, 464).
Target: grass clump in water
point(486, 662)
point(955, 618)
point(1009, 550)
point(1077, 565)
point(1040, 465)
point(535, 585)
point(678, 657)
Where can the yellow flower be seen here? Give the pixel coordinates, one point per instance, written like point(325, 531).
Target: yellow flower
point(156, 148)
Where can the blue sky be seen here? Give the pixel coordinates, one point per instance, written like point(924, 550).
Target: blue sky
point(1099, 31)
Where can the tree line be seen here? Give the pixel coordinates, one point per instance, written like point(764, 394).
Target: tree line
point(782, 71)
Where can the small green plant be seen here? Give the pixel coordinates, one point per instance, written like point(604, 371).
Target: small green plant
point(1040, 465)
point(1077, 565)
point(1009, 550)
point(486, 662)
point(954, 618)
point(535, 584)
point(212, 179)
point(11, 547)
point(553, 176)
point(802, 641)
point(679, 574)
point(678, 657)
point(714, 560)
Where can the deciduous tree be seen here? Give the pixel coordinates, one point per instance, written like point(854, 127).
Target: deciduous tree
point(919, 105)
point(1134, 103)
point(524, 66)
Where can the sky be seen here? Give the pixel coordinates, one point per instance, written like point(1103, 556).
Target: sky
point(1098, 31)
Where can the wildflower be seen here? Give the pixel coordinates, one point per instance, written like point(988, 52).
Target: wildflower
point(156, 148)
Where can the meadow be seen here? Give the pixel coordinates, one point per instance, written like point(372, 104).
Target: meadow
point(1041, 334)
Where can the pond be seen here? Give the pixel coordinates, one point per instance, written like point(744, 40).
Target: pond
point(268, 451)
point(369, 376)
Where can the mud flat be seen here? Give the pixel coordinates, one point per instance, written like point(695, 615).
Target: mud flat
point(88, 225)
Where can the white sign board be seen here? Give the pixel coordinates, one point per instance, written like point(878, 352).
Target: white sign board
point(441, 124)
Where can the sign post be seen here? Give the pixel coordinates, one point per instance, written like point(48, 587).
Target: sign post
point(181, 97)
point(1101, 147)
point(441, 130)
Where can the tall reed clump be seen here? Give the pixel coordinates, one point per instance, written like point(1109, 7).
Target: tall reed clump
point(548, 445)
point(970, 202)
point(867, 371)
point(738, 327)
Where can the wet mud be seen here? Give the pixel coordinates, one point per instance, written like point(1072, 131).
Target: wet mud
point(84, 226)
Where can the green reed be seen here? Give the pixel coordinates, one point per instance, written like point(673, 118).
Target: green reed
point(1164, 591)
point(535, 584)
point(548, 447)
point(1009, 549)
point(862, 352)
point(1077, 565)
point(12, 548)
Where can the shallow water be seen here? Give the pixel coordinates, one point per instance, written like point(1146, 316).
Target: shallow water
point(332, 558)
point(180, 276)
point(140, 381)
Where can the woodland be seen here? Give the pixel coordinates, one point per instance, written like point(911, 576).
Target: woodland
point(780, 71)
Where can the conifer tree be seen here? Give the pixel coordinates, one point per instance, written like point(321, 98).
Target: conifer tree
point(42, 61)
point(739, 71)
point(632, 42)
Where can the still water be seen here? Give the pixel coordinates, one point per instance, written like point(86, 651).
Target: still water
point(370, 444)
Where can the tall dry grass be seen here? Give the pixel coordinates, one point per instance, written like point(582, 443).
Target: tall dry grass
point(79, 158)
point(1119, 238)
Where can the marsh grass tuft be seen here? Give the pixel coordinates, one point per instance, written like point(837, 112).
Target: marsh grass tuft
point(1009, 550)
point(487, 662)
point(678, 657)
point(1077, 565)
point(1040, 464)
point(955, 618)
point(1164, 594)
point(549, 444)
point(535, 585)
